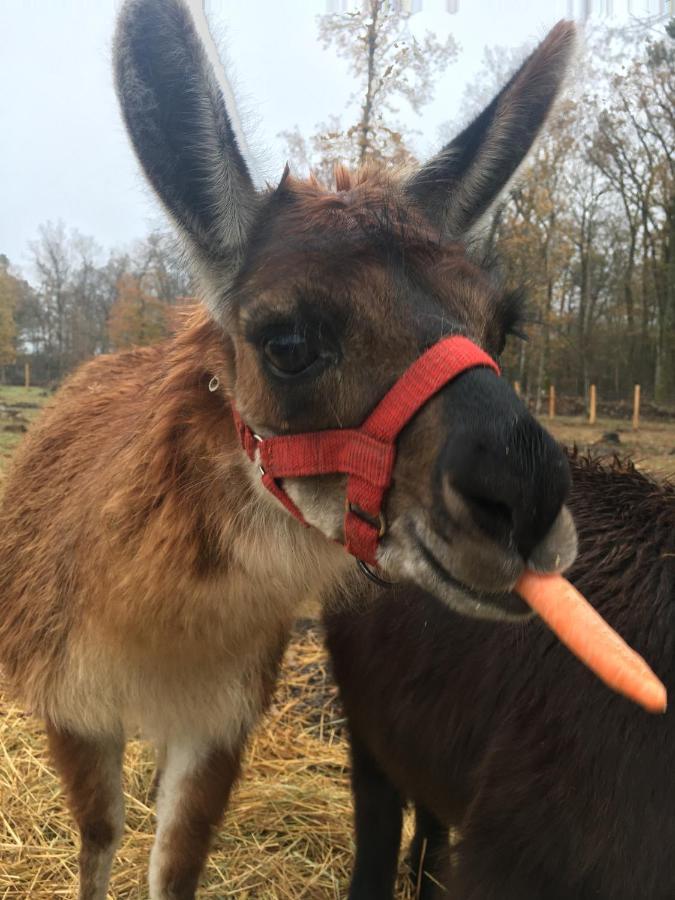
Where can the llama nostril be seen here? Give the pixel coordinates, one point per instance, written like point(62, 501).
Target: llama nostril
point(490, 512)
point(499, 466)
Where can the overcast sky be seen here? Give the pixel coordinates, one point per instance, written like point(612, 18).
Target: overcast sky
point(63, 151)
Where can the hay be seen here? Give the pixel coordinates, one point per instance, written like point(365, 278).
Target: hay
point(288, 832)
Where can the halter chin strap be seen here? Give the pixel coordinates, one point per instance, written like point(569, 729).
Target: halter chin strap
point(365, 454)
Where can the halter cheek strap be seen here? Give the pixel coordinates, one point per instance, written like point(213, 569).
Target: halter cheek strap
point(365, 454)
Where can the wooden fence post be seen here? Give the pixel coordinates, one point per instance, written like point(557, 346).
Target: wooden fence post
point(592, 405)
point(26, 374)
point(636, 407)
point(551, 402)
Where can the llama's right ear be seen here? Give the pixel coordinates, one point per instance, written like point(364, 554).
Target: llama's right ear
point(467, 176)
point(178, 121)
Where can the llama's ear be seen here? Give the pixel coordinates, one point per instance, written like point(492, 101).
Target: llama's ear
point(461, 182)
point(187, 140)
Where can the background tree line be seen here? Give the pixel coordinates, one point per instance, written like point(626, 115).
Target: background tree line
point(589, 228)
point(81, 303)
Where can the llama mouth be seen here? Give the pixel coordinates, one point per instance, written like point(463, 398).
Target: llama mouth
point(467, 600)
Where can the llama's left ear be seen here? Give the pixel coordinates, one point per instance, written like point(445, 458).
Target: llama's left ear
point(186, 140)
point(463, 180)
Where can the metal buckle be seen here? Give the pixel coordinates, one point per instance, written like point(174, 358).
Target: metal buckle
point(382, 530)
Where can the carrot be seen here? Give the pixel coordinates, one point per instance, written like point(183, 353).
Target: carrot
point(583, 630)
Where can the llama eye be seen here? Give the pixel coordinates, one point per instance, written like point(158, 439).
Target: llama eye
point(290, 354)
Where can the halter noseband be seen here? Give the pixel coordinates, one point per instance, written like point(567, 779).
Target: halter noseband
point(365, 454)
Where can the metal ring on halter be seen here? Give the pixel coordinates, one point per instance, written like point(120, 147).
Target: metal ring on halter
point(256, 437)
point(373, 576)
point(381, 521)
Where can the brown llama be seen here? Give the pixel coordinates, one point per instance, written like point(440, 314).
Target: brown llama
point(558, 788)
point(149, 568)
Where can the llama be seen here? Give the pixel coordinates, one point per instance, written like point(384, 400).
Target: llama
point(151, 557)
point(559, 789)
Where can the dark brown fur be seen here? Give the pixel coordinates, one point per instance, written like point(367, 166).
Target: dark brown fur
point(559, 789)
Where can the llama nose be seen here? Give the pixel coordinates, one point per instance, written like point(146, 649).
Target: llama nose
point(509, 472)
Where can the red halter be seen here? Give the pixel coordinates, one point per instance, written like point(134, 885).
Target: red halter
point(366, 454)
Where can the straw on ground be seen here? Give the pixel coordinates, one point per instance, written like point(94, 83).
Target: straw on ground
point(286, 836)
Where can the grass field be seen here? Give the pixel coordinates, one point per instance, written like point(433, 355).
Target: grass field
point(18, 407)
point(651, 447)
point(288, 833)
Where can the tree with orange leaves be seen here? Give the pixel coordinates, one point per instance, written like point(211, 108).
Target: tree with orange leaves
point(136, 317)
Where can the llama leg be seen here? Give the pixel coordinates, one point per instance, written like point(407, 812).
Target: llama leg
point(194, 789)
point(91, 772)
point(378, 819)
point(485, 869)
point(429, 855)
point(160, 762)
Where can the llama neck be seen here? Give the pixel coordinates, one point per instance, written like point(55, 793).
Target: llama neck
point(194, 500)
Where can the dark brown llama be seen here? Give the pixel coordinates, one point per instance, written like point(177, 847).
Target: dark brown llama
point(148, 576)
point(558, 789)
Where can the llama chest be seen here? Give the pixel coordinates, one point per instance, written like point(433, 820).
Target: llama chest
point(212, 677)
point(196, 658)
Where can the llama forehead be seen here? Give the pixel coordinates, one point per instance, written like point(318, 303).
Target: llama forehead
point(368, 221)
point(364, 246)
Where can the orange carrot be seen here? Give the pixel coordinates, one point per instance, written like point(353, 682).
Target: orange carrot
point(583, 630)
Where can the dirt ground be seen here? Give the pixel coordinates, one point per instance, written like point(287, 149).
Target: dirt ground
point(288, 833)
point(651, 447)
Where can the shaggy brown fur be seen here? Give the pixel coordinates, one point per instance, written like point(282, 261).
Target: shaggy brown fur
point(559, 788)
point(151, 455)
point(141, 422)
point(128, 528)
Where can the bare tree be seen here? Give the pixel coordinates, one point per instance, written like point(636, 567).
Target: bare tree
point(390, 66)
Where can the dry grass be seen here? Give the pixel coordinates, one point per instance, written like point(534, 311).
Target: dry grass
point(287, 835)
